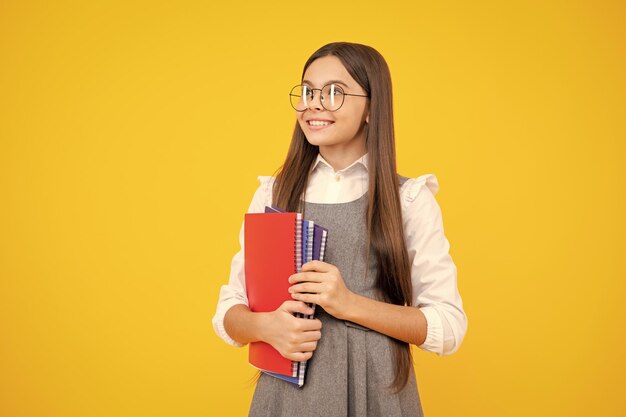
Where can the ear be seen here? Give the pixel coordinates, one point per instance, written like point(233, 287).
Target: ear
point(367, 118)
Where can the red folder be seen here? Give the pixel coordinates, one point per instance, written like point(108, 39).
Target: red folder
point(272, 250)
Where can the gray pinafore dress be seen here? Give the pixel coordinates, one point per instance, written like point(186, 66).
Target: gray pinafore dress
point(352, 368)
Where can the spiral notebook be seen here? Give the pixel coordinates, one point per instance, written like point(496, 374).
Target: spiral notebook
point(272, 253)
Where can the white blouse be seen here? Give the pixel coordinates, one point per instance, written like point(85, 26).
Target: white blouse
point(433, 272)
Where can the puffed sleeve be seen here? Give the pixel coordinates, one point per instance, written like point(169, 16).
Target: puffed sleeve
point(234, 292)
point(433, 273)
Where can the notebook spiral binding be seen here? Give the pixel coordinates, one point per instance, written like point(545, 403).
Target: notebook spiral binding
point(298, 268)
point(298, 243)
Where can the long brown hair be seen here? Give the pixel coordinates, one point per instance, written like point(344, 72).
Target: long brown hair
point(384, 215)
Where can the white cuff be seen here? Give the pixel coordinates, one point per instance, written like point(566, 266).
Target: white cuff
point(218, 322)
point(434, 332)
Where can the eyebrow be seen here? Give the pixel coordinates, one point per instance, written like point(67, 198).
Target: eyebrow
point(328, 82)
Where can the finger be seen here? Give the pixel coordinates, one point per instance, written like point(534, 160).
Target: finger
point(306, 277)
point(307, 346)
point(310, 326)
point(312, 336)
point(296, 307)
point(299, 356)
point(307, 298)
point(317, 266)
point(313, 287)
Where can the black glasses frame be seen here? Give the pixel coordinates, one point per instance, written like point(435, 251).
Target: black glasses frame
point(321, 98)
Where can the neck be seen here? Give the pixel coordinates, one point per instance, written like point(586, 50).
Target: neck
point(341, 156)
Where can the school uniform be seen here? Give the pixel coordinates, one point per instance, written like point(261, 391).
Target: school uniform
point(352, 367)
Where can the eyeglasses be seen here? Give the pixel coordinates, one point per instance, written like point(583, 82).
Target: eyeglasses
point(331, 97)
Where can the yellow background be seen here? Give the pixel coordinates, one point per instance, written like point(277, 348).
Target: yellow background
point(131, 135)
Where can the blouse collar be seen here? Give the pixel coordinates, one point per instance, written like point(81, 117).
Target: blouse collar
point(321, 163)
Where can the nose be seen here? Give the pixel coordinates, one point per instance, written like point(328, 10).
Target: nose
point(316, 102)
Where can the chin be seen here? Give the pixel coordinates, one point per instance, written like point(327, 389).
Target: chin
point(320, 141)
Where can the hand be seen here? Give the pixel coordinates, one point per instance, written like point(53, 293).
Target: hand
point(293, 337)
point(321, 283)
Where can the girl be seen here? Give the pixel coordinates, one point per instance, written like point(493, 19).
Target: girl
point(388, 280)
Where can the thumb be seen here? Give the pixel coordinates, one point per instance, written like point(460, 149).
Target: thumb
point(292, 306)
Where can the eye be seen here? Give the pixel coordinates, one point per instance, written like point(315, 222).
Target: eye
point(335, 90)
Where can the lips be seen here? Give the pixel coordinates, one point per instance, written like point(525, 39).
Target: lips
point(319, 124)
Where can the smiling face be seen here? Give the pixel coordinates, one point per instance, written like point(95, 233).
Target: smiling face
point(341, 130)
